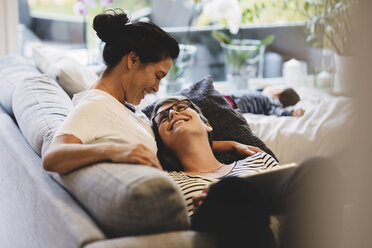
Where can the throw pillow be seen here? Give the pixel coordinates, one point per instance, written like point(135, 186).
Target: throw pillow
point(72, 76)
point(13, 70)
point(127, 199)
point(227, 123)
point(40, 106)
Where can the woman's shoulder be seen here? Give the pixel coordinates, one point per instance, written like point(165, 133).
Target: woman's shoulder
point(87, 100)
point(91, 95)
point(253, 164)
point(98, 100)
point(260, 158)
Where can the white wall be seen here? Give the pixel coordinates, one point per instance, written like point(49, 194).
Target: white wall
point(8, 27)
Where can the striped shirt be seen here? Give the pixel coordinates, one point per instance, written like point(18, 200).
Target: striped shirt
point(192, 185)
point(256, 103)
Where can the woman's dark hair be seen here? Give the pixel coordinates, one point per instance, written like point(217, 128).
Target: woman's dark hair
point(147, 40)
point(165, 155)
point(289, 97)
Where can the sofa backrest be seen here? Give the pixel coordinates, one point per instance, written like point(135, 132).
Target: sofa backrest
point(13, 70)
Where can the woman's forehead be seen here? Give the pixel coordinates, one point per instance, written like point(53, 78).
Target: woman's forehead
point(166, 105)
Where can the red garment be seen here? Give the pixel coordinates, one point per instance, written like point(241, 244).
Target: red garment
point(230, 100)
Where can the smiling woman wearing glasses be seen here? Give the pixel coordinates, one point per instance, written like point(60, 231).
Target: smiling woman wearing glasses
point(220, 201)
point(182, 130)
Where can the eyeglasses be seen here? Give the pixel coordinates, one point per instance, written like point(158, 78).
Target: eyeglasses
point(163, 115)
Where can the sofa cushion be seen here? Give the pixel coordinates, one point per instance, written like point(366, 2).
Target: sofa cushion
point(127, 199)
point(13, 70)
point(227, 123)
point(72, 76)
point(40, 106)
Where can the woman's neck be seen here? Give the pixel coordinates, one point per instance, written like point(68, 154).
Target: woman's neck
point(110, 83)
point(197, 157)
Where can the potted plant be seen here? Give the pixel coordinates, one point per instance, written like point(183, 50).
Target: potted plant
point(330, 26)
point(243, 57)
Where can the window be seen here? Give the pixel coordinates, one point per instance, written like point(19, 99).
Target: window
point(65, 7)
point(56, 22)
point(269, 11)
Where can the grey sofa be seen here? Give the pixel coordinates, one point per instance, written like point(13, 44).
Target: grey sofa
point(102, 205)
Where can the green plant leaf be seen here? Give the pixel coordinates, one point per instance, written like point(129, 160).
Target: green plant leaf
point(307, 6)
point(268, 40)
point(221, 37)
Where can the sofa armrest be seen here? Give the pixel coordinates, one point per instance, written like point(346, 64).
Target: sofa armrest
point(34, 210)
point(127, 199)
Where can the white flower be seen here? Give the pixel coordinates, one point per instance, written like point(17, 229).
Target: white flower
point(91, 3)
point(227, 11)
point(106, 3)
point(80, 8)
point(234, 24)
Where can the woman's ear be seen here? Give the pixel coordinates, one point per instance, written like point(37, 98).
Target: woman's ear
point(132, 60)
point(209, 127)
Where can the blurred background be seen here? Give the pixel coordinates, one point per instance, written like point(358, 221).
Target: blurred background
point(56, 23)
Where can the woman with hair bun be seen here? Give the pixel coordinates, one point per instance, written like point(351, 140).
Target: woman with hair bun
point(105, 125)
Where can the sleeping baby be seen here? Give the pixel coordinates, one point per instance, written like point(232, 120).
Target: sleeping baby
point(271, 101)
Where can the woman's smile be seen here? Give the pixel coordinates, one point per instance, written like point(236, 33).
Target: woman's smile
point(144, 92)
point(176, 122)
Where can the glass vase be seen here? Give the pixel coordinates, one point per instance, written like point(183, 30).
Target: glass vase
point(243, 60)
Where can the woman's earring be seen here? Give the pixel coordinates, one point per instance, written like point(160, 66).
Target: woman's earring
point(209, 128)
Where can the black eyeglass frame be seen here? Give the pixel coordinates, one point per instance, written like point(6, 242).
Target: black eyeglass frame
point(189, 104)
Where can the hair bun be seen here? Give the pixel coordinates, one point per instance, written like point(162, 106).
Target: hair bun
point(108, 24)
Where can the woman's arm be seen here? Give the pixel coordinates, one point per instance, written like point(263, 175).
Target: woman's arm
point(67, 153)
point(233, 146)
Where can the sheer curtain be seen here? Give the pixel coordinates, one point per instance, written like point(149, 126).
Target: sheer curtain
point(8, 27)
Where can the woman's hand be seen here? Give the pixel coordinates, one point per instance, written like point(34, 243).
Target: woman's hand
point(197, 200)
point(245, 150)
point(233, 146)
point(135, 154)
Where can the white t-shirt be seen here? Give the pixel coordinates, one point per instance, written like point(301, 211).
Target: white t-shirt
point(98, 117)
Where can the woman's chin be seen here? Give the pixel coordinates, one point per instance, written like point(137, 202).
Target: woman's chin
point(183, 130)
point(138, 100)
point(180, 127)
point(134, 102)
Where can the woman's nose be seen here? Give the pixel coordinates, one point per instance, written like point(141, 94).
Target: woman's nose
point(171, 113)
point(156, 86)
